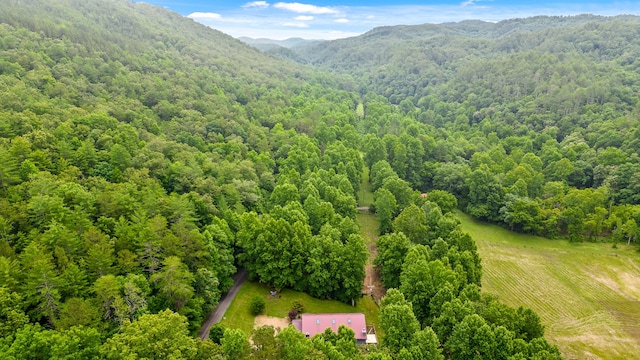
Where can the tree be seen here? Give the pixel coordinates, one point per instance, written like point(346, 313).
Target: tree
point(380, 171)
point(451, 314)
point(485, 194)
point(529, 326)
point(293, 345)
point(446, 201)
point(40, 286)
point(319, 212)
point(257, 305)
point(234, 344)
point(426, 345)
point(216, 333)
point(33, 342)
point(277, 255)
point(522, 214)
point(392, 250)
point(353, 259)
point(120, 157)
point(471, 339)
point(153, 336)
point(630, 230)
point(397, 321)
point(374, 150)
point(265, 346)
point(12, 317)
point(412, 221)
point(386, 206)
point(283, 194)
point(174, 282)
point(451, 177)
point(77, 312)
point(420, 281)
point(322, 266)
point(400, 190)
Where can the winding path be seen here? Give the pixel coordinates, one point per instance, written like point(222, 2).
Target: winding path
point(218, 312)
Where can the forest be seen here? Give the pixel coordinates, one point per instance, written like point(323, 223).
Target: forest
point(140, 167)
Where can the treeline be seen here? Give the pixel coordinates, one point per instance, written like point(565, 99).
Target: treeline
point(531, 123)
point(582, 187)
point(434, 274)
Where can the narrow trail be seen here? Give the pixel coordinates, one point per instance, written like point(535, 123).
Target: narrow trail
point(369, 229)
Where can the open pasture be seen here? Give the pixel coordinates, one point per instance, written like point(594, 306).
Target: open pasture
point(587, 294)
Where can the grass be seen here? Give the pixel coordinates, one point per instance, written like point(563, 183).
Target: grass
point(587, 294)
point(369, 228)
point(365, 196)
point(238, 315)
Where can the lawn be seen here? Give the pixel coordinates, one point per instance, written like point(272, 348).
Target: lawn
point(587, 294)
point(238, 315)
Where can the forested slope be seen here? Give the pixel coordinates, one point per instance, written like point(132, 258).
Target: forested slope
point(135, 145)
point(532, 123)
point(144, 157)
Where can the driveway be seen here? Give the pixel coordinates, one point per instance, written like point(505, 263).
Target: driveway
point(218, 312)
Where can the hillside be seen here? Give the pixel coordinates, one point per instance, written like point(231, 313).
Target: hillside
point(131, 142)
point(412, 61)
point(144, 158)
point(136, 32)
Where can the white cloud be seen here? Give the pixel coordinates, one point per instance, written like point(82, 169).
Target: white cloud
point(341, 21)
point(468, 2)
point(256, 4)
point(204, 16)
point(305, 8)
point(295, 24)
point(304, 18)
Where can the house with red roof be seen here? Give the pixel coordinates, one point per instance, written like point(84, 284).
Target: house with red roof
point(312, 324)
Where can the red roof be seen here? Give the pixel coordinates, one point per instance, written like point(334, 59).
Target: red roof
point(311, 324)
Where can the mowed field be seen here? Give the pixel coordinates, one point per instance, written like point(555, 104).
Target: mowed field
point(587, 294)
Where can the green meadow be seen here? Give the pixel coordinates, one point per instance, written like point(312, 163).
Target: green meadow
point(587, 294)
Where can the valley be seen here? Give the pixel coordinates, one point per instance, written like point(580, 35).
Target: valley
point(146, 157)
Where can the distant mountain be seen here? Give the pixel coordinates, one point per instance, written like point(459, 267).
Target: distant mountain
point(401, 61)
point(270, 44)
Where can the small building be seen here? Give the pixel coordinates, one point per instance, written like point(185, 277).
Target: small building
point(312, 324)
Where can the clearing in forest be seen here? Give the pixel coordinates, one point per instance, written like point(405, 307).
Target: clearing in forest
point(238, 315)
point(587, 294)
point(369, 229)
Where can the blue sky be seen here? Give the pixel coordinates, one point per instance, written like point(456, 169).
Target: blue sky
point(333, 19)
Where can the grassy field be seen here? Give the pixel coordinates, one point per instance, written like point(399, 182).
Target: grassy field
point(587, 294)
point(238, 315)
point(365, 196)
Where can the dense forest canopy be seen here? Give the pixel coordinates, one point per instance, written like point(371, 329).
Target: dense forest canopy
point(532, 123)
point(145, 157)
